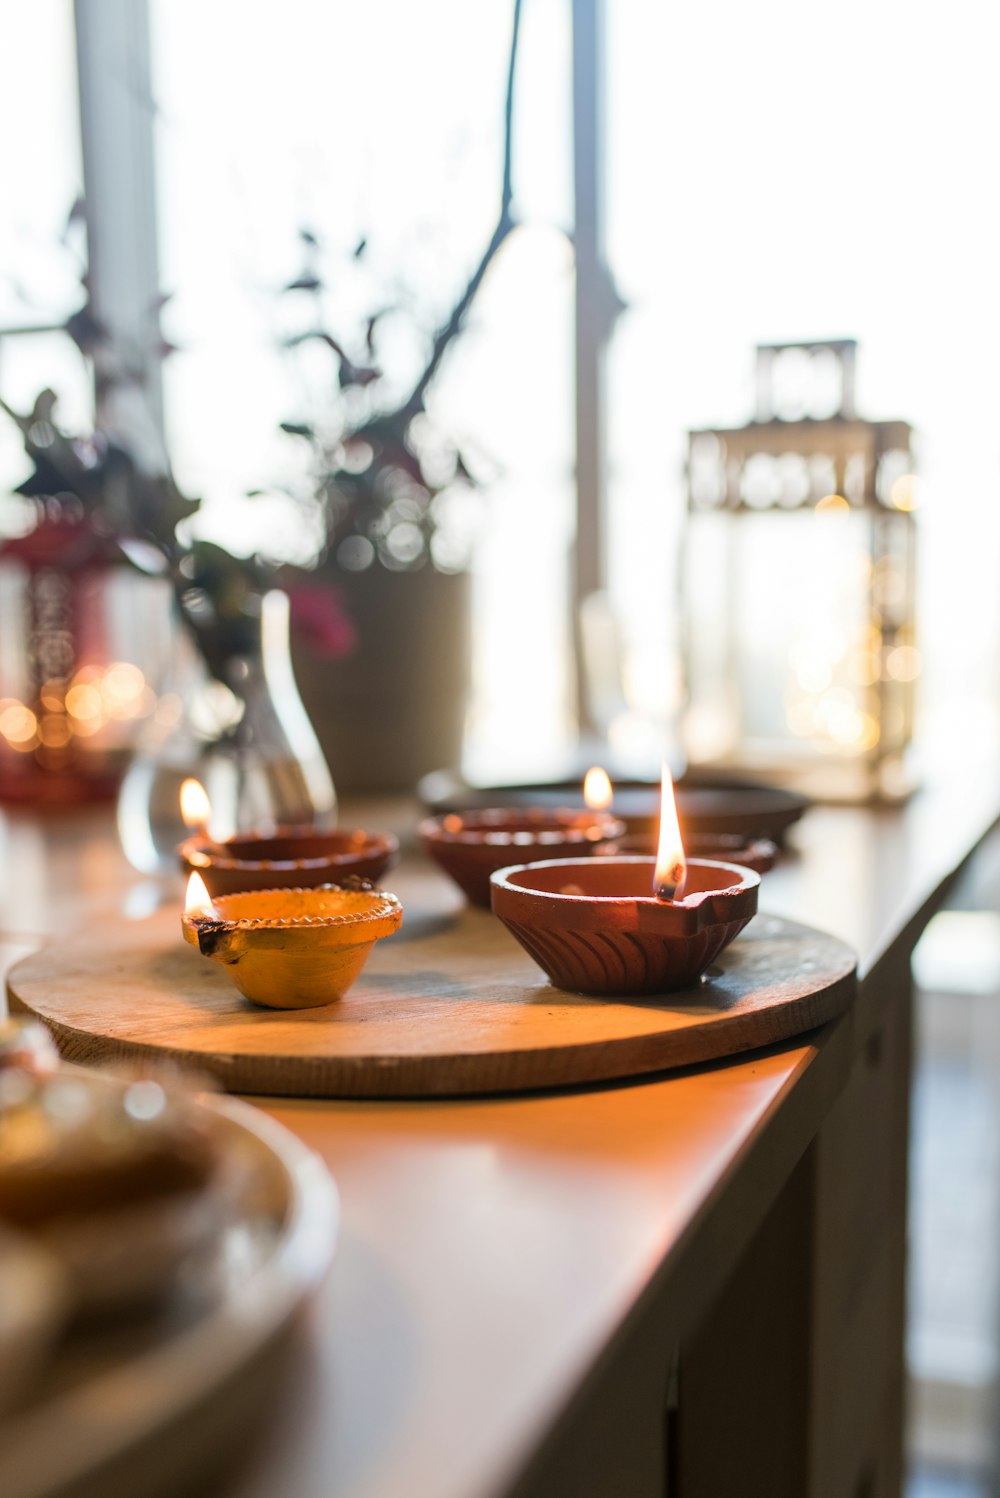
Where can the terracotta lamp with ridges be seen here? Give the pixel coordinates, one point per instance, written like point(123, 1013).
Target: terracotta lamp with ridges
point(596, 927)
point(470, 845)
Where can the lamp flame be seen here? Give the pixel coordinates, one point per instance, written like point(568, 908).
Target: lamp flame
point(597, 791)
point(197, 900)
point(196, 809)
point(671, 867)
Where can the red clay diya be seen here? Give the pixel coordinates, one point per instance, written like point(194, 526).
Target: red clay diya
point(471, 845)
point(290, 856)
point(595, 927)
point(759, 854)
point(290, 948)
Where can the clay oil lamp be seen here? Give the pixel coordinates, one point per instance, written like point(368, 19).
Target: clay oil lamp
point(470, 846)
point(300, 857)
point(758, 853)
point(627, 925)
point(290, 948)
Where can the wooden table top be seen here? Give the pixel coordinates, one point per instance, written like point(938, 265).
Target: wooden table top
point(492, 1248)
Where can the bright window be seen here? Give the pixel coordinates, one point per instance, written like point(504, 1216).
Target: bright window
point(778, 172)
point(40, 180)
point(384, 121)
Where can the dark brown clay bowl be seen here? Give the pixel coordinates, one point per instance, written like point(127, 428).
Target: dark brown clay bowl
point(707, 801)
point(595, 927)
point(299, 857)
point(470, 845)
point(759, 854)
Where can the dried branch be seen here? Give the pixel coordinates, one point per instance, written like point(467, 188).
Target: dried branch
point(505, 224)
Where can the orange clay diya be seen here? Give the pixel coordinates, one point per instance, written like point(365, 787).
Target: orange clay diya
point(290, 948)
point(471, 845)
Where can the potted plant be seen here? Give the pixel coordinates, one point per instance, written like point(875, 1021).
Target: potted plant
point(384, 482)
point(228, 711)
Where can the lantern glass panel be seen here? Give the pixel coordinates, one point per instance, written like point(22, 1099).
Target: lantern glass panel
point(778, 633)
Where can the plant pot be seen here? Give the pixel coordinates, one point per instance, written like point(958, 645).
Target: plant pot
point(394, 707)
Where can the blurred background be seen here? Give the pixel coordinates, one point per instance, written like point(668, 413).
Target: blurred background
point(230, 235)
point(748, 176)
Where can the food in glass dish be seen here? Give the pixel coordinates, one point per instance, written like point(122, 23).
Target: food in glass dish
point(116, 1176)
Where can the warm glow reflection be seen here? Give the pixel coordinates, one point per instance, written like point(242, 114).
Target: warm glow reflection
point(54, 731)
point(671, 868)
point(903, 663)
point(18, 725)
point(905, 493)
point(52, 694)
point(84, 702)
point(597, 791)
point(95, 699)
point(196, 809)
point(832, 504)
point(197, 900)
point(123, 683)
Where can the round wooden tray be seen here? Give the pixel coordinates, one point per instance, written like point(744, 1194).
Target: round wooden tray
point(449, 1005)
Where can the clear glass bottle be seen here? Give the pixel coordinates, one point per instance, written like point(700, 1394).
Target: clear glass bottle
point(248, 740)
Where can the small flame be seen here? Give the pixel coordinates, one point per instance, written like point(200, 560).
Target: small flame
point(197, 900)
point(671, 867)
point(597, 791)
point(196, 809)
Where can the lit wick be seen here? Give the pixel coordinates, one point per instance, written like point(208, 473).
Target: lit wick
point(197, 901)
point(196, 809)
point(200, 911)
point(597, 789)
point(670, 873)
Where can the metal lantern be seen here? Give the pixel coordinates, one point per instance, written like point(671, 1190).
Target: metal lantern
point(799, 583)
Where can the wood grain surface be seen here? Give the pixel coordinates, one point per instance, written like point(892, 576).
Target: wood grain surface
point(450, 1005)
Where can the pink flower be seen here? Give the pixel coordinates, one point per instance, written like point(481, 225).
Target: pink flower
point(318, 617)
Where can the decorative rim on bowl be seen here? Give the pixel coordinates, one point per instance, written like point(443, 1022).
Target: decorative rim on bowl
point(299, 960)
point(590, 924)
point(513, 827)
point(469, 846)
point(380, 904)
point(692, 910)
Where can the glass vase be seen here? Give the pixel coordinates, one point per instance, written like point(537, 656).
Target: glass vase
point(247, 739)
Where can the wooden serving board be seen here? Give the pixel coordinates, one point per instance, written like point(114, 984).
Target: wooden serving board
point(449, 1005)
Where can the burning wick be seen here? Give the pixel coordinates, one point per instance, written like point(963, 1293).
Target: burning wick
point(670, 873)
point(196, 809)
point(199, 910)
point(668, 888)
point(197, 901)
point(597, 792)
